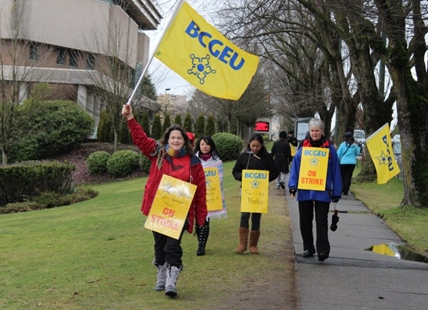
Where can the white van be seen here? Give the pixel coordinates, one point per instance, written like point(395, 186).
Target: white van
point(359, 136)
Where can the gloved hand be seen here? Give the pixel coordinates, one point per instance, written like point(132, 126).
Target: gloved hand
point(335, 199)
point(293, 191)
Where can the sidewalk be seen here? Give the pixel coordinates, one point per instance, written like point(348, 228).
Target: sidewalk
point(352, 277)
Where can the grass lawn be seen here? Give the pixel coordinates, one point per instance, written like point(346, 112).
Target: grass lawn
point(384, 200)
point(97, 255)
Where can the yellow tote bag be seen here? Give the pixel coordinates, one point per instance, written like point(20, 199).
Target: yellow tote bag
point(255, 191)
point(170, 206)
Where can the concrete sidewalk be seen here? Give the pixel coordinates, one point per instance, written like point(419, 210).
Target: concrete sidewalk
point(353, 277)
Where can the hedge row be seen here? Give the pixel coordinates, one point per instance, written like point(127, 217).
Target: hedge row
point(25, 180)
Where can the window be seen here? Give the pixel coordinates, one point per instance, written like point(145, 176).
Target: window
point(62, 54)
point(73, 58)
point(90, 62)
point(34, 51)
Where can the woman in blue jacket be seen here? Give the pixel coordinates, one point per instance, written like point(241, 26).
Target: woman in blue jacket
point(347, 153)
point(318, 200)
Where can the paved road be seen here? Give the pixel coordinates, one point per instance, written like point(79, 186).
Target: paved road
point(353, 277)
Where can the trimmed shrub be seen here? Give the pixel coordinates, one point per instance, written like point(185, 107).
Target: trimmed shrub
point(29, 179)
point(145, 164)
point(229, 146)
point(49, 128)
point(97, 162)
point(123, 163)
point(49, 200)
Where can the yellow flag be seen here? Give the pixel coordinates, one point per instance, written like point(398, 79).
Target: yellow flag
point(313, 168)
point(380, 148)
point(170, 207)
point(255, 191)
point(200, 54)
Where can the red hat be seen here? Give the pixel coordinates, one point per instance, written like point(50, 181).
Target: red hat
point(191, 137)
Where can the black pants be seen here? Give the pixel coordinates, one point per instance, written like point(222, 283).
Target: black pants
point(346, 173)
point(306, 215)
point(168, 250)
point(255, 220)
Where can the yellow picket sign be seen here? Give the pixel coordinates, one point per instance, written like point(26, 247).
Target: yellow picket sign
point(170, 206)
point(313, 168)
point(212, 180)
point(255, 191)
point(293, 150)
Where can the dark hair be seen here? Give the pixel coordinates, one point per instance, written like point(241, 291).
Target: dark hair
point(258, 137)
point(208, 140)
point(291, 132)
point(187, 141)
point(283, 134)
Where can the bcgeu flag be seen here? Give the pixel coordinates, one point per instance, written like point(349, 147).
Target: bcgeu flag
point(200, 54)
point(380, 148)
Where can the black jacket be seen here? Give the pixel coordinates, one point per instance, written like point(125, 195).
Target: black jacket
point(282, 155)
point(250, 161)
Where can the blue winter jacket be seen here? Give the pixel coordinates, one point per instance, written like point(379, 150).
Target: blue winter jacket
point(333, 184)
point(348, 157)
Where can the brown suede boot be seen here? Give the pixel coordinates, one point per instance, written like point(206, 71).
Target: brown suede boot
point(254, 239)
point(243, 240)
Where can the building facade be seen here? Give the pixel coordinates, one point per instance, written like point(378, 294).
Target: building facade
point(72, 46)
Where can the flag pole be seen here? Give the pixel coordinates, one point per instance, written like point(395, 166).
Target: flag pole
point(154, 51)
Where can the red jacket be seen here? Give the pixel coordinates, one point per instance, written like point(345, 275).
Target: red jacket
point(148, 146)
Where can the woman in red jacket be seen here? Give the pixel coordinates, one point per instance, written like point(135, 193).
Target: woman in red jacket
point(172, 156)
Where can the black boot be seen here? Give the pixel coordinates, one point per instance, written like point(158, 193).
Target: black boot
point(202, 233)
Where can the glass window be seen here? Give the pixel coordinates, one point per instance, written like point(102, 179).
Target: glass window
point(73, 58)
point(90, 62)
point(61, 56)
point(34, 51)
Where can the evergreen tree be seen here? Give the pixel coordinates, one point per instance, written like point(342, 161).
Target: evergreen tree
point(105, 128)
point(188, 123)
point(145, 123)
point(210, 129)
point(156, 128)
point(147, 88)
point(124, 134)
point(200, 126)
point(166, 123)
point(177, 120)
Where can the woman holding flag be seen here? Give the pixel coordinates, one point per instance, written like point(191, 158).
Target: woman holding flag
point(172, 156)
point(255, 157)
point(315, 176)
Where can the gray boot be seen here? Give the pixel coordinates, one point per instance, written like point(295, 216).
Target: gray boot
point(171, 280)
point(161, 278)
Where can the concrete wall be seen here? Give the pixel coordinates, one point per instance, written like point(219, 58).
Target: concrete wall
point(86, 25)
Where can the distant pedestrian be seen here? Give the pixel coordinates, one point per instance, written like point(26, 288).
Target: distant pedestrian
point(347, 152)
point(255, 157)
point(282, 155)
point(316, 200)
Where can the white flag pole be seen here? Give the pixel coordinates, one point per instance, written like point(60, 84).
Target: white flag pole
point(154, 50)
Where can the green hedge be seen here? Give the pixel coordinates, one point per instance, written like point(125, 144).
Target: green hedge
point(20, 182)
point(228, 145)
